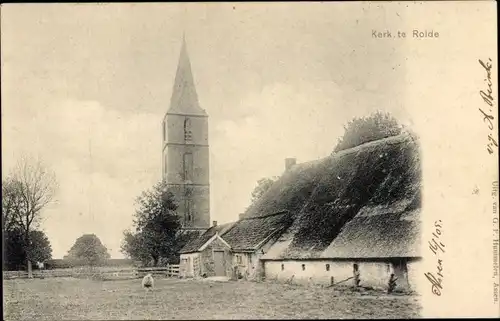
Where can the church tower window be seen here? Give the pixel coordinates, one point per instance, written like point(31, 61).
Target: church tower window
point(188, 167)
point(188, 135)
point(165, 170)
point(164, 131)
point(189, 216)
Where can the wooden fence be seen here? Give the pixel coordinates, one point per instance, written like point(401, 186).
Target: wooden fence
point(38, 274)
point(171, 270)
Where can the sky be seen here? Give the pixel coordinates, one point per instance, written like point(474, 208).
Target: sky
point(85, 88)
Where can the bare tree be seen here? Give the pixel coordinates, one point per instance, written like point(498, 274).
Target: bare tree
point(30, 187)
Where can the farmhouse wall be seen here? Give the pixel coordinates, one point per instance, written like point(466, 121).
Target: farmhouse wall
point(251, 266)
point(414, 275)
point(372, 274)
point(245, 265)
point(188, 266)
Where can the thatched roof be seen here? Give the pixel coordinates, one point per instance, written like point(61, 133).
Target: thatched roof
point(198, 240)
point(250, 233)
point(289, 192)
point(247, 234)
point(378, 236)
point(380, 174)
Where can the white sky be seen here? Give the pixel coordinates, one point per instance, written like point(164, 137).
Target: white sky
point(85, 88)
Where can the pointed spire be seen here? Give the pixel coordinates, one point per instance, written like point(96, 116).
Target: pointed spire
point(184, 98)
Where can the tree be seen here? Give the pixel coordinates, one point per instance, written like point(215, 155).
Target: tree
point(88, 250)
point(15, 249)
point(362, 130)
point(41, 250)
point(263, 185)
point(29, 188)
point(156, 226)
point(134, 246)
point(11, 204)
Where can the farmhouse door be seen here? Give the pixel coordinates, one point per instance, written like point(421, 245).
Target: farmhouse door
point(220, 269)
point(401, 272)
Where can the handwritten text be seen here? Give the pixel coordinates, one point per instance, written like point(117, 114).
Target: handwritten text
point(436, 247)
point(487, 96)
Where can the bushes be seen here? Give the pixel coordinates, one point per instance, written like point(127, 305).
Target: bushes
point(366, 129)
point(15, 249)
point(58, 264)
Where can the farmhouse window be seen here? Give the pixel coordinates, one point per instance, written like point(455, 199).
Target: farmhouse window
point(328, 267)
point(239, 259)
point(303, 267)
point(282, 267)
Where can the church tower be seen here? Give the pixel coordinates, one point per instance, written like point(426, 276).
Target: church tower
point(185, 152)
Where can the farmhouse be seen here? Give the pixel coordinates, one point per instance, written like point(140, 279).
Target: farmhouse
point(233, 249)
point(356, 211)
point(362, 216)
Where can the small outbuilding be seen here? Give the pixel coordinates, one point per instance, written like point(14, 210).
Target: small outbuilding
point(207, 255)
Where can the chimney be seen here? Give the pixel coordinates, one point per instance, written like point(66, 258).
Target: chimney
point(214, 223)
point(242, 215)
point(289, 163)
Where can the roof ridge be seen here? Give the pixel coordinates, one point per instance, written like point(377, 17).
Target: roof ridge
point(267, 215)
point(230, 224)
point(397, 138)
point(391, 139)
point(223, 224)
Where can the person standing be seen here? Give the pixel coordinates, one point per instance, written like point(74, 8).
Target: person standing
point(41, 267)
point(356, 275)
point(392, 283)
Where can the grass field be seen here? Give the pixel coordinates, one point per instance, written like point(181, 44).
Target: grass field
point(77, 299)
